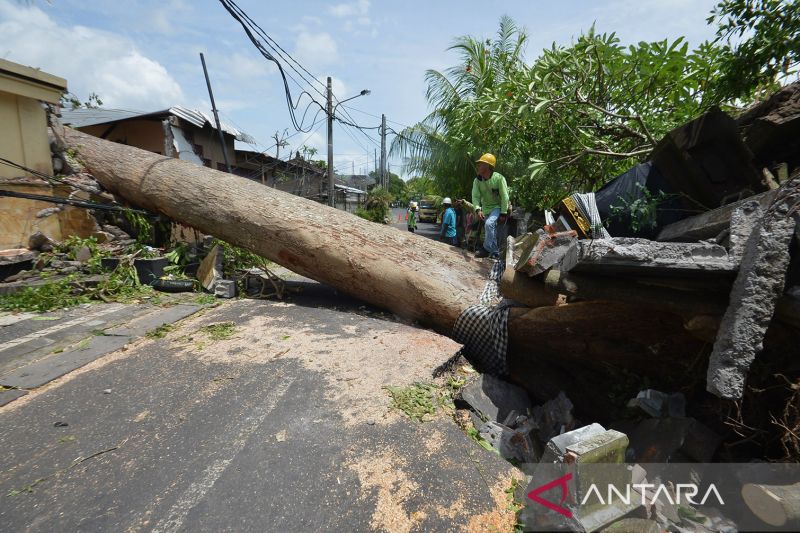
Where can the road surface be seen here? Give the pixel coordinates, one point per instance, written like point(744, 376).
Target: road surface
point(285, 425)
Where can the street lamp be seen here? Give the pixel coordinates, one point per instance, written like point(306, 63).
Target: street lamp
point(331, 112)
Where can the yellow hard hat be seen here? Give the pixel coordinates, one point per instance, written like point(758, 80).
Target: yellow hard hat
point(489, 159)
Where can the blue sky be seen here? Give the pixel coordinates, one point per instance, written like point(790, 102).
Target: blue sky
point(144, 55)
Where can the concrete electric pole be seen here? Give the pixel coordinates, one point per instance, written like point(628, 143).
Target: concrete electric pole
point(384, 177)
point(331, 197)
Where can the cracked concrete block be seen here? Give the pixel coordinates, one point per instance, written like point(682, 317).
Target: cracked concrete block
point(743, 221)
point(557, 446)
point(225, 288)
point(759, 284)
point(494, 398)
point(606, 447)
point(620, 253)
point(512, 444)
point(633, 525)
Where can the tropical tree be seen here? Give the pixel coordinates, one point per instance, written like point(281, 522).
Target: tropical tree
point(581, 114)
point(760, 44)
point(445, 143)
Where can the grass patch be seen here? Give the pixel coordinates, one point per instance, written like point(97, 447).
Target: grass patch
point(161, 331)
point(420, 401)
point(83, 344)
point(205, 299)
point(59, 294)
point(219, 331)
point(68, 438)
point(28, 489)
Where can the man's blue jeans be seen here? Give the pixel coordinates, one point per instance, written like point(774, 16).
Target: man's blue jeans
point(490, 241)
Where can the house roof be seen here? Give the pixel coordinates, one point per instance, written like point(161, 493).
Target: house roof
point(361, 181)
point(30, 82)
point(80, 118)
point(269, 160)
point(349, 189)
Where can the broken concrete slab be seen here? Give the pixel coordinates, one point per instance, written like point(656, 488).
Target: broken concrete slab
point(744, 220)
point(658, 404)
point(140, 326)
point(554, 417)
point(494, 398)
point(9, 395)
point(633, 525)
point(543, 250)
point(225, 288)
point(662, 440)
point(757, 288)
point(556, 448)
point(606, 447)
point(628, 254)
point(43, 371)
point(511, 444)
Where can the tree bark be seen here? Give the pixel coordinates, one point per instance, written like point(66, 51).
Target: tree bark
point(411, 276)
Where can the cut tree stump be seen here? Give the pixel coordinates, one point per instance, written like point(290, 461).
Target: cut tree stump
point(776, 505)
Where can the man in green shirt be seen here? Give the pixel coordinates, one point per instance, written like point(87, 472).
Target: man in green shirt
point(490, 197)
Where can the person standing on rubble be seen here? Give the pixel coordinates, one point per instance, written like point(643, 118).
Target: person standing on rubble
point(490, 197)
point(448, 233)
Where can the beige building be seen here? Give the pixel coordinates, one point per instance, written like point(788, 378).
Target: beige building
point(24, 140)
point(23, 121)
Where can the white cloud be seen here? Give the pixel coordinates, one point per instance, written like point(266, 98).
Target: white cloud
point(316, 49)
point(339, 88)
point(355, 16)
point(350, 9)
point(315, 140)
point(91, 60)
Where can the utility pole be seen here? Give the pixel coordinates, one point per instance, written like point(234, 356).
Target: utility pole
point(216, 116)
point(384, 177)
point(331, 198)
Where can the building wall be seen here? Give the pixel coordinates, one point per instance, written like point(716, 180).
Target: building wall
point(144, 134)
point(19, 220)
point(23, 135)
point(149, 135)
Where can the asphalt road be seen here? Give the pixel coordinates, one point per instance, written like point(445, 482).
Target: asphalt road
point(285, 425)
point(425, 229)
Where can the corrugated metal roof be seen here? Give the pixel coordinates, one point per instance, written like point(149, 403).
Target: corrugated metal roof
point(80, 118)
point(349, 189)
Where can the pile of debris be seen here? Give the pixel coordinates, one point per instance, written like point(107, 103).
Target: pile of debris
point(648, 458)
point(114, 249)
point(723, 286)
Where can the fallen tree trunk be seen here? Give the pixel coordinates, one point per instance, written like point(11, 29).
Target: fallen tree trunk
point(414, 277)
point(409, 275)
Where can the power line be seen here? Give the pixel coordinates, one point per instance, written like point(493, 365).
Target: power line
point(239, 15)
point(375, 116)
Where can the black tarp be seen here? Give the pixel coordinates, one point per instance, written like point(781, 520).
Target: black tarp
point(629, 187)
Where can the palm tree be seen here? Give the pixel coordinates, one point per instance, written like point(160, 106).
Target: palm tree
point(445, 143)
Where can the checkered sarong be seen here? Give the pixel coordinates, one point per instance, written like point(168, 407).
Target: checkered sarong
point(483, 328)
